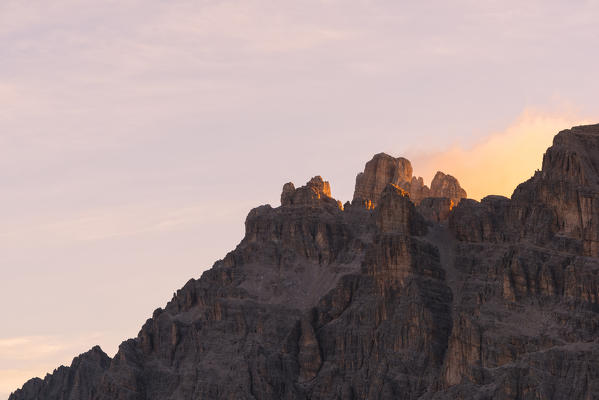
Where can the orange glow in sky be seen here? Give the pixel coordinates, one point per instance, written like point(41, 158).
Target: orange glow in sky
point(502, 160)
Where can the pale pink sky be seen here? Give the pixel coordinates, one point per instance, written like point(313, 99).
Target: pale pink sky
point(136, 135)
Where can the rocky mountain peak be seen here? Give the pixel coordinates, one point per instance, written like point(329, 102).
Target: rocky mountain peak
point(384, 169)
point(316, 192)
point(574, 156)
point(381, 170)
point(413, 298)
point(444, 185)
point(567, 190)
point(75, 382)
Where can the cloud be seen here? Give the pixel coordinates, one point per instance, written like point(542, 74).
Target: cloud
point(502, 160)
point(113, 222)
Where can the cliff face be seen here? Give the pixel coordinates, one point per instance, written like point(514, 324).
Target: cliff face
point(382, 298)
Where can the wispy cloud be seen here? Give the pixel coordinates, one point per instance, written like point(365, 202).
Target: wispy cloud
point(114, 222)
point(500, 160)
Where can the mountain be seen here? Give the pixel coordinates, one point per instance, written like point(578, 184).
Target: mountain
point(407, 292)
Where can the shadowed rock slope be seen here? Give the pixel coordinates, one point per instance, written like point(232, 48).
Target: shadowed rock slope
point(382, 298)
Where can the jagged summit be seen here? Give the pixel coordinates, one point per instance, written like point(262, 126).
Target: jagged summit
point(399, 295)
point(444, 185)
point(567, 187)
point(315, 192)
point(378, 173)
point(85, 369)
point(384, 169)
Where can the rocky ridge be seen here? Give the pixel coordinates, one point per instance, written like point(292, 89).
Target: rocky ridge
point(404, 293)
point(384, 169)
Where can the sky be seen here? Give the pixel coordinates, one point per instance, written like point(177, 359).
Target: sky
point(135, 136)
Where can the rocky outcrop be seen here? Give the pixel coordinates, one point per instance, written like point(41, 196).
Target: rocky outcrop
point(384, 169)
point(378, 172)
point(447, 186)
point(494, 219)
point(316, 192)
point(418, 190)
point(79, 381)
point(382, 299)
point(558, 207)
point(396, 213)
point(568, 186)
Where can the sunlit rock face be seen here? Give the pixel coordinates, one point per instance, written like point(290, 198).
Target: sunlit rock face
point(380, 171)
point(316, 192)
point(384, 169)
point(393, 296)
point(447, 186)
